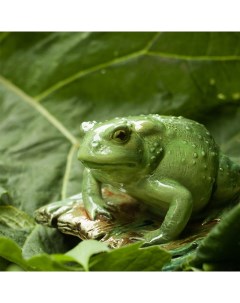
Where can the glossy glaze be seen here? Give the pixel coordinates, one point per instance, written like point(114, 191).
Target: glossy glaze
point(171, 164)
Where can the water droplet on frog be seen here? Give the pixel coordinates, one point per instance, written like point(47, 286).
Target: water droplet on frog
point(221, 169)
point(195, 155)
point(156, 144)
point(152, 149)
point(207, 142)
point(153, 158)
point(187, 128)
point(194, 162)
point(203, 153)
point(194, 145)
point(207, 133)
point(200, 137)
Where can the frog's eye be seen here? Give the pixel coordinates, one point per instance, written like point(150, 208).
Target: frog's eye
point(121, 135)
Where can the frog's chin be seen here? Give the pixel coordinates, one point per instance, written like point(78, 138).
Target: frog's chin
point(103, 166)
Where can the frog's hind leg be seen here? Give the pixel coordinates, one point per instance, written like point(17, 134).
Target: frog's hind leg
point(179, 202)
point(227, 186)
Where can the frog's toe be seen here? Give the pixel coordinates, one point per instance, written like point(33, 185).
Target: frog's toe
point(149, 243)
point(136, 239)
point(105, 213)
point(146, 244)
point(99, 211)
point(157, 240)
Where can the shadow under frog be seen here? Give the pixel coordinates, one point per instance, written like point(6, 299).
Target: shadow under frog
point(172, 165)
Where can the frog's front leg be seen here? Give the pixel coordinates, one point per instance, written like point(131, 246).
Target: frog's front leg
point(92, 196)
point(180, 203)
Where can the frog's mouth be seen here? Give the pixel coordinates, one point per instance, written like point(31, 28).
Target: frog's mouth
point(98, 165)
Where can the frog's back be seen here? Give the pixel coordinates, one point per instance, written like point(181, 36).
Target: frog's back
point(202, 167)
point(191, 157)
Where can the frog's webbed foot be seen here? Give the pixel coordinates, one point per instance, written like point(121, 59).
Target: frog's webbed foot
point(49, 214)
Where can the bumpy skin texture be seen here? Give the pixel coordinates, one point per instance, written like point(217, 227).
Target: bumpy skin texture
point(171, 164)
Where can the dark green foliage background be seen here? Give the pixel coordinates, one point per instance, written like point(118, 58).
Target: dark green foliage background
point(51, 82)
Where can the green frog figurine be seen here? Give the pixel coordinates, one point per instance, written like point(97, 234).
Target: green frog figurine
point(171, 164)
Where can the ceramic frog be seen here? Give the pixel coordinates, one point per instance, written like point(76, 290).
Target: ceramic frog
point(171, 164)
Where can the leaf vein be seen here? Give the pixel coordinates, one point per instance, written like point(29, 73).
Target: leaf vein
point(193, 58)
point(87, 71)
point(131, 56)
point(38, 107)
point(152, 41)
point(67, 172)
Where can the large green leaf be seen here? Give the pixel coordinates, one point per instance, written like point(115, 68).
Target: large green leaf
point(221, 248)
point(15, 224)
point(84, 250)
point(46, 240)
point(87, 254)
point(51, 82)
point(5, 198)
point(10, 251)
point(131, 258)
